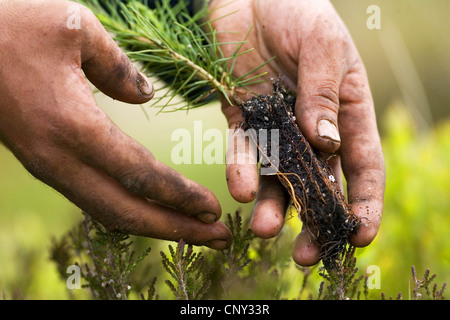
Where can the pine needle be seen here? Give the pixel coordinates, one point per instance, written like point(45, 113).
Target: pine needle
point(176, 47)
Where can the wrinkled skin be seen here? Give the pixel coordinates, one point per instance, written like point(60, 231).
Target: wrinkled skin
point(50, 121)
point(317, 58)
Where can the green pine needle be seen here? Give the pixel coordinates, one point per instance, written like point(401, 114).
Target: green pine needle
point(176, 47)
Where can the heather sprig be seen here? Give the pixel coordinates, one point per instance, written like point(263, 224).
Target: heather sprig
point(189, 270)
point(105, 258)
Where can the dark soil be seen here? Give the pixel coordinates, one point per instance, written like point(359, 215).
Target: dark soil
point(304, 173)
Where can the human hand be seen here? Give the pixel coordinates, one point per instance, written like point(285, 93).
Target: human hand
point(50, 121)
point(317, 58)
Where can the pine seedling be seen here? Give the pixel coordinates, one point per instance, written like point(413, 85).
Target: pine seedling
point(189, 270)
point(176, 47)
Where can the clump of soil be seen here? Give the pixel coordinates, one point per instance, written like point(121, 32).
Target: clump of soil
point(304, 173)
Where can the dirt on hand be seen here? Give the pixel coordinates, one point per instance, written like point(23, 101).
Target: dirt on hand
point(303, 171)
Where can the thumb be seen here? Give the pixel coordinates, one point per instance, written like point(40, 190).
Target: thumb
point(322, 66)
point(107, 66)
point(316, 111)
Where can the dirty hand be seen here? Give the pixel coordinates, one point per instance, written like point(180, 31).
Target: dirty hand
point(317, 58)
point(50, 121)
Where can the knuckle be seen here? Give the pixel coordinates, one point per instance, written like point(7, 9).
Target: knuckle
point(40, 163)
point(75, 23)
point(123, 70)
point(63, 135)
point(139, 181)
point(87, 16)
point(355, 87)
point(38, 168)
point(327, 94)
point(71, 129)
point(69, 22)
point(133, 181)
point(125, 222)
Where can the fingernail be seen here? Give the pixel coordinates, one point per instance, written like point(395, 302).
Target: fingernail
point(217, 244)
point(328, 130)
point(207, 217)
point(144, 85)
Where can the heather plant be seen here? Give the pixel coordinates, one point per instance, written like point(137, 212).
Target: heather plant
point(105, 259)
point(248, 270)
point(343, 282)
point(426, 283)
point(188, 269)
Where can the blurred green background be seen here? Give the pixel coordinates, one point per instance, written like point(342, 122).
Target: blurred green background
point(407, 61)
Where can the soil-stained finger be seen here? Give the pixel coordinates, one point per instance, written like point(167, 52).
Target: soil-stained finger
point(242, 167)
point(116, 208)
point(361, 154)
point(370, 215)
point(108, 67)
point(270, 208)
point(85, 130)
point(306, 253)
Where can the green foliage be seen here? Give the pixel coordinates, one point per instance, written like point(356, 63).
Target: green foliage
point(228, 264)
point(343, 282)
point(189, 271)
point(105, 258)
point(174, 46)
point(251, 269)
point(236, 258)
point(416, 216)
point(425, 283)
point(417, 203)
